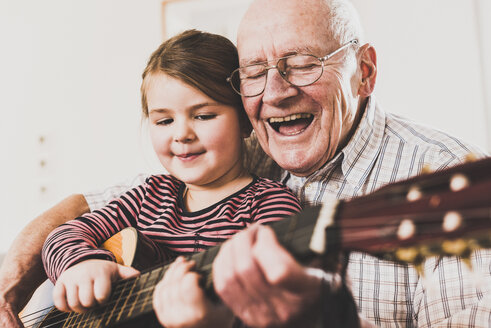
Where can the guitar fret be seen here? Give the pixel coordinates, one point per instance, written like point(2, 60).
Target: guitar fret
point(140, 282)
point(208, 257)
point(127, 297)
point(84, 321)
point(147, 292)
point(71, 318)
point(198, 258)
point(368, 223)
point(118, 295)
point(205, 268)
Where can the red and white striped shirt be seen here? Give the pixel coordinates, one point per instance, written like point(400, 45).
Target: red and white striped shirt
point(155, 209)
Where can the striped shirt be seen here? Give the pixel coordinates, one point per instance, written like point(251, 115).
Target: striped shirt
point(156, 210)
point(387, 148)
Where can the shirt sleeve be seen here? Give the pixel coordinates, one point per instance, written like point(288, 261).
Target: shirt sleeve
point(79, 239)
point(97, 199)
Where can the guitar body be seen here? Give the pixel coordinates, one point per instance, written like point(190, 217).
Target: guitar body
point(446, 213)
point(129, 250)
point(57, 319)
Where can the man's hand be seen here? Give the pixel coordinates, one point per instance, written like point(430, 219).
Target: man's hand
point(261, 282)
point(179, 301)
point(9, 316)
point(22, 269)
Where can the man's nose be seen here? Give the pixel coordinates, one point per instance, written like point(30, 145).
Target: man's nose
point(277, 89)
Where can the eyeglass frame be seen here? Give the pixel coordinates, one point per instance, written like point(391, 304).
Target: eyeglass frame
point(267, 68)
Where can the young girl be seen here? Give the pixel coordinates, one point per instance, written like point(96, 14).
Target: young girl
point(197, 126)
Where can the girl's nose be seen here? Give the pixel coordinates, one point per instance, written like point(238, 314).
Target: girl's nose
point(183, 132)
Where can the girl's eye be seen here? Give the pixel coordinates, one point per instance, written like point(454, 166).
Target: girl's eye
point(165, 121)
point(204, 117)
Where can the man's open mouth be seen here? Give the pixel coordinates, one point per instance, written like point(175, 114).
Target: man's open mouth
point(291, 124)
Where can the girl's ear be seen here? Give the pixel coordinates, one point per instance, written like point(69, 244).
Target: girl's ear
point(368, 67)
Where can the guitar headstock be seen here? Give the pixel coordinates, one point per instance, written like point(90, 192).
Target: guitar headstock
point(445, 213)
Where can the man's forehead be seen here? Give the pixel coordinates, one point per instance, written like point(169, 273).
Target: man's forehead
point(260, 56)
point(264, 37)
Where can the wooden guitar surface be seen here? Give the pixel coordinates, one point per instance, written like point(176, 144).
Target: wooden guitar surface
point(447, 213)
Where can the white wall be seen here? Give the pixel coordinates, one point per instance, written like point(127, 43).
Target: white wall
point(429, 62)
point(70, 72)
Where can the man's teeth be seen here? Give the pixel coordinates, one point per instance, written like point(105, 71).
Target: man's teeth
point(289, 118)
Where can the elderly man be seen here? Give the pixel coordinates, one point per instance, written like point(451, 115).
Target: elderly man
point(327, 132)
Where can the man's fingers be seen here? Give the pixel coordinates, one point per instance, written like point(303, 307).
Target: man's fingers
point(236, 272)
point(225, 276)
point(278, 266)
point(9, 319)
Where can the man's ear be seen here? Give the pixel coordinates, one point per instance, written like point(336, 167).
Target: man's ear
point(368, 67)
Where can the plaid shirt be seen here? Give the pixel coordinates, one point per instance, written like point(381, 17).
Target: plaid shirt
point(386, 148)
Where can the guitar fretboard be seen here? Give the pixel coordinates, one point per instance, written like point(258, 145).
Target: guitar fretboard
point(132, 298)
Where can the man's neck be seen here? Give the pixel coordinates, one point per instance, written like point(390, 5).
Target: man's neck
point(362, 106)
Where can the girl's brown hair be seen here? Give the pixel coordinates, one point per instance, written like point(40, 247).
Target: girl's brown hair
point(201, 60)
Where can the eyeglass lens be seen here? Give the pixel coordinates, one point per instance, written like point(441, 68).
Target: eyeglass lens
point(299, 70)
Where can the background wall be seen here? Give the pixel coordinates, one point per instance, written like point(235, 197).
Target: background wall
point(70, 77)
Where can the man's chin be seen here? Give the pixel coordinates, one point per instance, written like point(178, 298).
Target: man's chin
point(300, 165)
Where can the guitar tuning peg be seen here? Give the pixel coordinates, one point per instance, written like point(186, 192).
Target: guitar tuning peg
point(467, 261)
point(457, 247)
point(426, 169)
point(408, 254)
point(451, 221)
point(406, 229)
point(471, 157)
point(420, 269)
point(459, 182)
point(414, 194)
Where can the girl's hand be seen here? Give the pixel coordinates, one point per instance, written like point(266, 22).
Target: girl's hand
point(179, 301)
point(87, 284)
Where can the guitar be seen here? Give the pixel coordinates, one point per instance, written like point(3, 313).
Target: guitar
point(446, 213)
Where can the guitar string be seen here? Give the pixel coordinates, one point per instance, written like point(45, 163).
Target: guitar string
point(123, 285)
point(381, 196)
point(91, 319)
point(147, 273)
point(107, 305)
point(301, 233)
point(139, 292)
point(73, 315)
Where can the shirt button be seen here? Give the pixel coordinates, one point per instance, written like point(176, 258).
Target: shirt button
point(309, 187)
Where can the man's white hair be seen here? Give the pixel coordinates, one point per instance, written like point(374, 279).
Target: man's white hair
point(343, 21)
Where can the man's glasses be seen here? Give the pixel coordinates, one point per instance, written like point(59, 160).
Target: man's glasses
point(299, 70)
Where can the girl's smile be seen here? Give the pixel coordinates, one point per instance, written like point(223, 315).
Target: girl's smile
point(197, 139)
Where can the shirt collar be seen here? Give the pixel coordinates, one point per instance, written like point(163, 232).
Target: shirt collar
point(362, 150)
point(359, 155)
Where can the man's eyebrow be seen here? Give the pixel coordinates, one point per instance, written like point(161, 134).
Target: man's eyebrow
point(293, 51)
